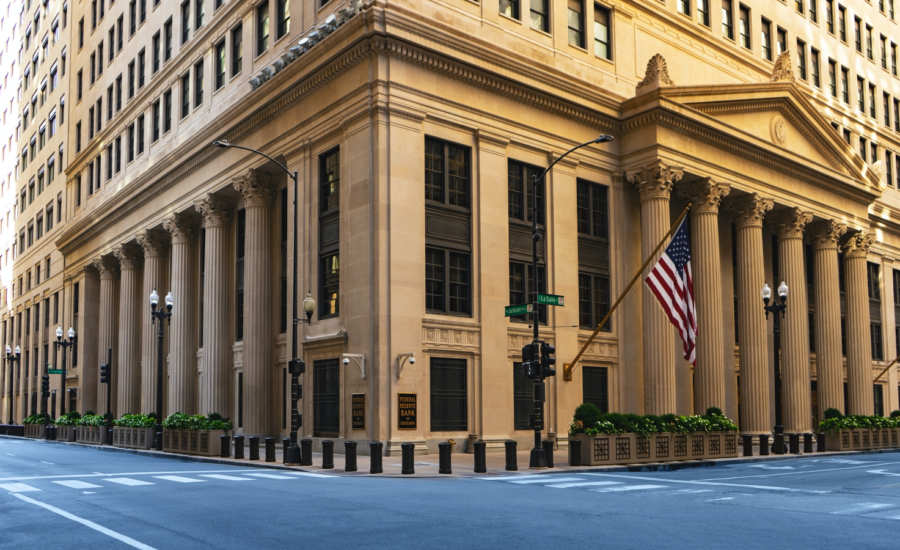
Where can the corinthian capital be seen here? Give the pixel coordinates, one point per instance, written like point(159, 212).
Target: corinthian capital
point(790, 222)
point(704, 195)
point(655, 180)
point(825, 234)
point(154, 243)
point(749, 210)
point(857, 245)
point(257, 188)
point(130, 256)
point(216, 211)
point(182, 227)
point(108, 267)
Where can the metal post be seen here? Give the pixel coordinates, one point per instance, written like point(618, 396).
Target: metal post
point(65, 392)
point(270, 449)
point(285, 443)
point(226, 447)
point(511, 457)
point(820, 440)
point(538, 457)
point(159, 382)
point(350, 456)
point(763, 444)
point(444, 458)
point(778, 441)
point(807, 443)
point(254, 447)
point(777, 363)
point(480, 461)
point(794, 440)
point(109, 391)
point(548, 452)
point(748, 444)
point(327, 454)
point(574, 452)
point(238, 447)
point(375, 450)
point(407, 452)
point(306, 452)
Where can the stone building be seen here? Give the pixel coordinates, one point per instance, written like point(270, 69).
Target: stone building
point(415, 127)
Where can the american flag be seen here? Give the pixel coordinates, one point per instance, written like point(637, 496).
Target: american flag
point(671, 282)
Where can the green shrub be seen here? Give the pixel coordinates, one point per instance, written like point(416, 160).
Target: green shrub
point(215, 416)
point(68, 419)
point(41, 418)
point(89, 413)
point(135, 421)
point(895, 414)
point(91, 420)
point(714, 411)
point(832, 413)
point(587, 413)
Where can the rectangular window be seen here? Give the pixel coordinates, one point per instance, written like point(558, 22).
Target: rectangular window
point(140, 134)
point(520, 197)
point(744, 25)
point(283, 15)
point(593, 300)
point(893, 59)
point(780, 40)
point(198, 13)
point(326, 398)
point(130, 142)
point(857, 30)
point(813, 11)
point(842, 23)
point(575, 21)
point(603, 32)
point(330, 284)
point(142, 61)
point(131, 80)
point(801, 59)
point(878, 399)
point(220, 64)
point(167, 111)
point(876, 338)
point(863, 147)
point(185, 23)
point(198, 84)
point(120, 25)
point(118, 154)
point(167, 39)
point(872, 101)
point(156, 56)
point(239, 285)
point(845, 85)
point(684, 6)
point(155, 127)
point(510, 8)
point(869, 49)
point(446, 173)
point(237, 49)
point(814, 65)
point(703, 12)
point(727, 20)
point(449, 395)
point(521, 289)
point(886, 106)
point(884, 50)
point(185, 95)
point(329, 180)
point(860, 95)
point(540, 19)
point(262, 28)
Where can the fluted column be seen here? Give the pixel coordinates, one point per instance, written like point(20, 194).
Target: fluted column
point(131, 260)
point(859, 352)
point(259, 192)
point(182, 387)
point(825, 237)
point(217, 327)
point(748, 212)
point(654, 183)
point(794, 326)
point(108, 335)
point(155, 245)
point(709, 371)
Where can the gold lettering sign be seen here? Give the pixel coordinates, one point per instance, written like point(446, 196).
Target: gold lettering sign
point(359, 411)
point(407, 402)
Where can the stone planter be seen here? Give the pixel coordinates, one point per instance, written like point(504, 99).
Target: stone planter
point(66, 433)
point(193, 442)
point(91, 435)
point(865, 437)
point(133, 438)
point(35, 431)
point(722, 445)
point(603, 449)
point(839, 441)
point(895, 437)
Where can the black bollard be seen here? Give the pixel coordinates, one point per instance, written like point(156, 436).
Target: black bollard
point(444, 450)
point(763, 444)
point(285, 443)
point(407, 453)
point(306, 452)
point(327, 454)
point(794, 440)
point(480, 461)
point(778, 444)
point(254, 447)
point(270, 449)
point(239, 447)
point(807, 443)
point(375, 449)
point(548, 451)
point(748, 444)
point(159, 440)
point(511, 457)
point(226, 447)
point(820, 439)
point(350, 456)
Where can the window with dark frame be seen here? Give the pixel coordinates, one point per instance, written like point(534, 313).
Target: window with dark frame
point(326, 398)
point(329, 233)
point(603, 32)
point(237, 49)
point(220, 64)
point(575, 22)
point(540, 16)
point(262, 28)
point(595, 387)
point(449, 395)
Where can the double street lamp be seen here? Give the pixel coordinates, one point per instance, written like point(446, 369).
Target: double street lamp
point(12, 358)
point(64, 344)
point(777, 307)
point(157, 313)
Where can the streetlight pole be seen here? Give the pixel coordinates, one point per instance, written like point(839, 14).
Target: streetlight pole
point(12, 359)
point(64, 344)
point(538, 457)
point(776, 308)
point(161, 315)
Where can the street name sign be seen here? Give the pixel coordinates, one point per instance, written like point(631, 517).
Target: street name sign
point(551, 300)
point(54, 371)
point(512, 311)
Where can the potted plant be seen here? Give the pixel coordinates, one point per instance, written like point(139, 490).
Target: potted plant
point(91, 429)
point(197, 434)
point(66, 424)
point(35, 425)
point(134, 431)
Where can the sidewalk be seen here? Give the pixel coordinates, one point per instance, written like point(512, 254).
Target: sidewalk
point(463, 465)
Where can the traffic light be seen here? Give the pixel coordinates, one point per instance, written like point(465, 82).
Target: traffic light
point(45, 386)
point(530, 361)
point(296, 366)
point(547, 360)
point(104, 374)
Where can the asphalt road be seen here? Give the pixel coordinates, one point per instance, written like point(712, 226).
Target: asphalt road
point(57, 496)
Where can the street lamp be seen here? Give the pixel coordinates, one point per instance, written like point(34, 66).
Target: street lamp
point(10, 359)
point(156, 313)
point(776, 308)
point(538, 457)
point(64, 344)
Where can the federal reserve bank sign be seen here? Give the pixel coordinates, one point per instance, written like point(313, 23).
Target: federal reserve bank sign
point(407, 408)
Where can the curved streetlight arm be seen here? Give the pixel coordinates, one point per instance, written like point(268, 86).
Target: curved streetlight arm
point(224, 144)
point(602, 139)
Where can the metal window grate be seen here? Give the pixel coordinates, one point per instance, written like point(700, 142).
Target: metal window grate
point(595, 387)
point(449, 395)
point(326, 398)
point(523, 399)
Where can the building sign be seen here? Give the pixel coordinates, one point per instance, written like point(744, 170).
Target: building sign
point(359, 411)
point(407, 411)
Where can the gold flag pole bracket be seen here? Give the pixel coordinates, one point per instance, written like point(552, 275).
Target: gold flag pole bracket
point(569, 367)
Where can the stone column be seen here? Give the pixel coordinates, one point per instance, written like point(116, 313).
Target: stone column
point(794, 326)
point(748, 212)
point(218, 321)
point(259, 192)
point(859, 351)
point(709, 371)
point(825, 236)
point(109, 333)
point(155, 245)
point(654, 183)
point(131, 260)
point(182, 387)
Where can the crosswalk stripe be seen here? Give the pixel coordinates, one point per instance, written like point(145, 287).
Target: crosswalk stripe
point(862, 508)
point(545, 479)
point(310, 474)
point(226, 478)
point(583, 484)
point(17, 487)
point(180, 479)
point(128, 481)
point(75, 484)
point(629, 488)
point(271, 476)
point(507, 478)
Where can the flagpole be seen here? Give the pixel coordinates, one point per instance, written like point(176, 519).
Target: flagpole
point(887, 368)
point(569, 367)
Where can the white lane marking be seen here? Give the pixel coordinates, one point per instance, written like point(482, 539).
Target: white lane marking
point(628, 488)
point(10, 454)
point(767, 487)
point(767, 467)
point(583, 484)
point(180, 479)
point(690, 491)
point(869, 465)
point(128, 481)
point(882, 472)
point(108, 532)
point(271, 476)
point(17, 487)
point(723, 498)
point(45, 462)
point(227, 478)
point(862, 508)
point(88, 493)
point(507, 478)
point(310, 474)
point(99, 474)
point(546, 479)
point(75, 484)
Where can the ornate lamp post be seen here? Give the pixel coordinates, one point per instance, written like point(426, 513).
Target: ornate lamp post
point(12, 358)
point(296, 368)
point(161, 315)
point(776, 308)
point(64, 344)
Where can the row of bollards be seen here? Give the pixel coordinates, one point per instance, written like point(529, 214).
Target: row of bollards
point(778, 446)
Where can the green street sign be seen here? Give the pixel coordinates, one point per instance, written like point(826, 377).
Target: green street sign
point(55, 371)
point(551, 300)
point(519, 310)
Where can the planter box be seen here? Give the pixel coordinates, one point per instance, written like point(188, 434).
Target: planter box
point(91, 435)
point(603, 449)
point(722, 445)
point(35, 431)
point(65, 433)
point(193, 442)
point(895, 437)
point(839, 441)
point(133, 438)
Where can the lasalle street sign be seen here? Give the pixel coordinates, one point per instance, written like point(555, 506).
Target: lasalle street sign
point(551, 300)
